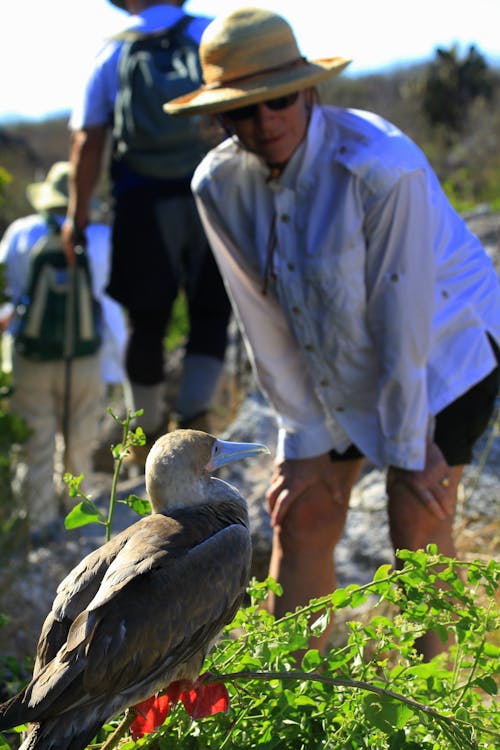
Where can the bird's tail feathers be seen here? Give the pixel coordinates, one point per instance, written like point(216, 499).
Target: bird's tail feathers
point(56, 735)
point(13, 712)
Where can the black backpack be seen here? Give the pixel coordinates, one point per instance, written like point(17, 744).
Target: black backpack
point(152, 69)
point(44, 330)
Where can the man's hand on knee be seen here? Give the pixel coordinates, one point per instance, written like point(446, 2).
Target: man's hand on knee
point(294, 477)
point(431, 486)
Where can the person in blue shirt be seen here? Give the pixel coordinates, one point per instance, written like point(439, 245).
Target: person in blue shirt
point(371, 313)
point(159, 246)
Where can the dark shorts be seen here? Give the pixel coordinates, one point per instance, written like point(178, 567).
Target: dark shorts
point(459, 425)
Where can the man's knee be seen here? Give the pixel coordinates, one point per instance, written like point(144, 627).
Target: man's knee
point(314, 520)
point(412, 526)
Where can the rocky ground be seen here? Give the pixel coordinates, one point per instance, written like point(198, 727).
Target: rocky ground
point(27, 587)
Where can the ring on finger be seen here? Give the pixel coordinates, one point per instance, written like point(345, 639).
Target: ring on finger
point(444, 482)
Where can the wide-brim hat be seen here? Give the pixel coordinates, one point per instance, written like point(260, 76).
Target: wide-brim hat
point(53, 192)
point(249, 56)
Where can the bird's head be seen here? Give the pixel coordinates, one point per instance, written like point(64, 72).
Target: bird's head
point(180, 464)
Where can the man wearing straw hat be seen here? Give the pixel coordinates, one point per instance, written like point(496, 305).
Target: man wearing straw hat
point(41, 387)
point(371, 313)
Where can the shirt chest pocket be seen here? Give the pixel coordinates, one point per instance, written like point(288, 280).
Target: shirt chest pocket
point(334, 278)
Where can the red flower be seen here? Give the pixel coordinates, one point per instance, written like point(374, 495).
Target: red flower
point(151, 714)
point(200, 700)
point(205, 699)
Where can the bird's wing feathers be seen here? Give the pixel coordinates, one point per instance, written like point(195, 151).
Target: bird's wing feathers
point(79, 587)
point(169, 614)
point(160, 537)
point(156, 629)
point(74, 594)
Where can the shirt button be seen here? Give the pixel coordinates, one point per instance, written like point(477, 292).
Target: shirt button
point(309, 348)
point(394, 277)
point(324, 382)
point(291, 266)
point(445, 294)
point(339, 408)
point(296, 310)
point(285, 218)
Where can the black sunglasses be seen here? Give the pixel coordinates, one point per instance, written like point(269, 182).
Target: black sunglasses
point(245, 113)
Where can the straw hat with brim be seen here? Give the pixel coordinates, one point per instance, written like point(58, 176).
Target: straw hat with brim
point(53, 192)
point(250, 56)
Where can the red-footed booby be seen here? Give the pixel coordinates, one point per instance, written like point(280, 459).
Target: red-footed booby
point(141, 612)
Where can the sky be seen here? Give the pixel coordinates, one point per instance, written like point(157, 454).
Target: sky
point(45, 46)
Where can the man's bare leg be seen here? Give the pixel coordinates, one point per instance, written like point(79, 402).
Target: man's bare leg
point(413, 527)
point(302, 558)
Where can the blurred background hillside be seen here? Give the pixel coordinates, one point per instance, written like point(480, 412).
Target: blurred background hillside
point(449, 105)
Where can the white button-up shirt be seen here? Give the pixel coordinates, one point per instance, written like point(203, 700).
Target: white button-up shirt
point(379, 297)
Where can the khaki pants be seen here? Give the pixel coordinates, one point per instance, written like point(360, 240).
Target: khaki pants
point(38, 398)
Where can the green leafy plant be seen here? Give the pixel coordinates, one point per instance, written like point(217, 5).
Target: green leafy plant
point(372, 690)
point(86, 511)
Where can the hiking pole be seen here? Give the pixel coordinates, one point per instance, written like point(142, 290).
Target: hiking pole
point(69, 347)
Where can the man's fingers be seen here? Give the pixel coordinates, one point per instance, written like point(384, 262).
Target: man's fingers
point(446, 497)
point(274, 491)
point(431, 500)
point(427, 498)
point(280, 507)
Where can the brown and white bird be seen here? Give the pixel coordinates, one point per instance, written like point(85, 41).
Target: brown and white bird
point(141, 612)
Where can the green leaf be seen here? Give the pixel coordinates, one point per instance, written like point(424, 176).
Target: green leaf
point(491, 650)
point(462, 714)
point(116, 450)
point(81, 515)
point(382, 571)
point(303, 701)
point(341, 598)
point(358, 598)
point(386, 713)
point(312, 660)
point(138, 504)
point(3, 744)
point(487, 684)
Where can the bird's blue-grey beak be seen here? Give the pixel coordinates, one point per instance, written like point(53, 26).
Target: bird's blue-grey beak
point(225, 451)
